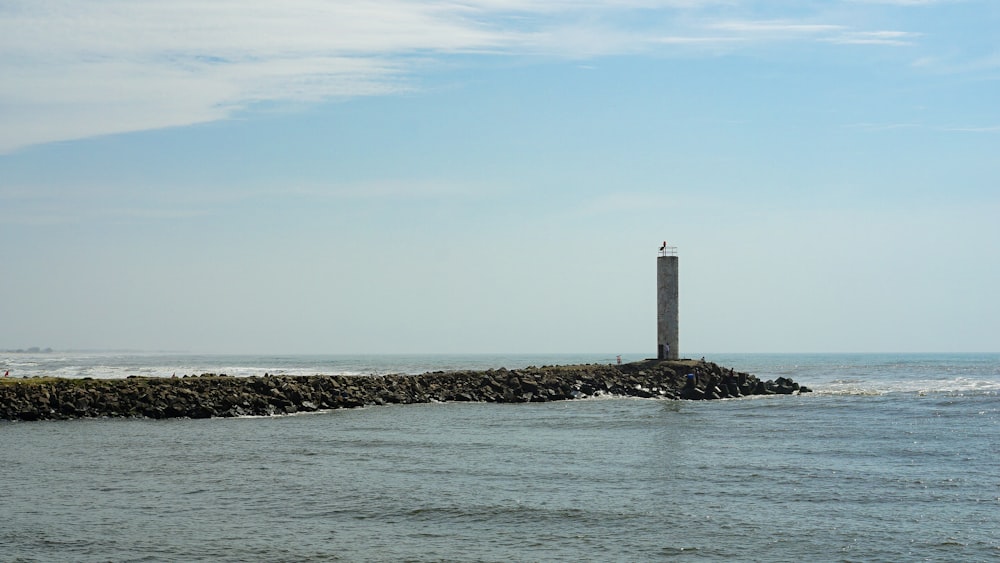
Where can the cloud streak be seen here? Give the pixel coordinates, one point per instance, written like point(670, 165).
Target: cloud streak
point(894, 38)
point(75, 70)
point(878, 127)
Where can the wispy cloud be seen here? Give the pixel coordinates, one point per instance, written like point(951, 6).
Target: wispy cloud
point(74, 70)
point(776, 27)
point(883, 126)
point(981, 129)
point(947, 129)
point(783, 30)
point(410, 190)
point(988, 64)
point(895, 38)
point(904, 2)
point(65, 204)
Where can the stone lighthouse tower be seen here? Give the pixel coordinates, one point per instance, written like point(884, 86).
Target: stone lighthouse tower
point(667, 318)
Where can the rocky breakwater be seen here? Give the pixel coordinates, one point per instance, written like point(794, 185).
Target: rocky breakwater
point(211, 395)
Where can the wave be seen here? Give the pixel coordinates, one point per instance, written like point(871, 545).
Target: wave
point(951, 386)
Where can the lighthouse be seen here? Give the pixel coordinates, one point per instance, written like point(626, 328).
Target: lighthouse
point(667, 318)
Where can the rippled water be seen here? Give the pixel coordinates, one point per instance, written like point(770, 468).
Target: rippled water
point(898, 469)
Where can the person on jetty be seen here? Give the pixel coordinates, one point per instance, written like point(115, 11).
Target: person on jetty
point(690, 390)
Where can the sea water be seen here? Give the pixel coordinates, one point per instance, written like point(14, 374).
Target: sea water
point(892, 458)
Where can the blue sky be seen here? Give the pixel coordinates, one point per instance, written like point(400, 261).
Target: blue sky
point(496, 175)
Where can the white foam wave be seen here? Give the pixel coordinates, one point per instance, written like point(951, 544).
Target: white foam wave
point(954, 386)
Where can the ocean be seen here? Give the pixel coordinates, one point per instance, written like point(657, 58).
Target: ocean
point(893, 457)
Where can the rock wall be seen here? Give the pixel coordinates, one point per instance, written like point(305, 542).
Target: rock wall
point(211, 395)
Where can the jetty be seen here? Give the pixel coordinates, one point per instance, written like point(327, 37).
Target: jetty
point(218, 395)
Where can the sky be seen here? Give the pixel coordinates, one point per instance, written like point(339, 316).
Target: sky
point(496, 176)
